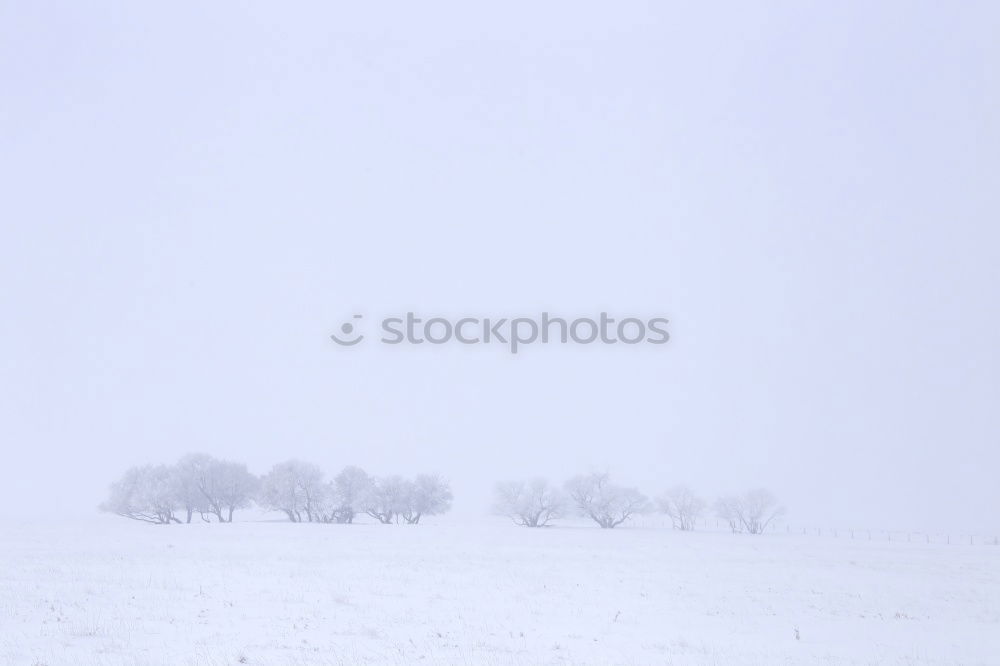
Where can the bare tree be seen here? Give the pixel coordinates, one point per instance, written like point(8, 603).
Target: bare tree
point(429, 495)
point(388, 498)
point(606, 504)
point(533, 503)
point(727, 508)
point(683, 507)
point(752, 512)
point(759, 509)
point(186, 490)
point(211, 486)
point(144, 493)
point(345, 496)
point(234, 488)
point(296, 488)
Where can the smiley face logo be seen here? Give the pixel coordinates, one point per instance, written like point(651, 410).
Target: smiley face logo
point(347, 328)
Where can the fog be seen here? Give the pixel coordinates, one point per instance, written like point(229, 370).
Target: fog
point(197, 197)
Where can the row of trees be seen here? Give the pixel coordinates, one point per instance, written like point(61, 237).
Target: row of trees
point(536, 503)
point(214, 489)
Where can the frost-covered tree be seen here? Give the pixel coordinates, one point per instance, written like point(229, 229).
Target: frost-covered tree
point(727, 508)
point(534, 503)
point(605, 503)
point(759, 509)
point(345, 496)
point(233, 488)
point(185, 487)
point(429, 495)
point(751, 512)
point(212, 486)
point(144, 493)
point(388, 498)
point(295, 488)
point(683, 507)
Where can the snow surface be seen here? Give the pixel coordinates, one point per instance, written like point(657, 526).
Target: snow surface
point(117, 592)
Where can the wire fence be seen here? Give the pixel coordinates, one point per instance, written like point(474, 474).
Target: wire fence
point(956, 538)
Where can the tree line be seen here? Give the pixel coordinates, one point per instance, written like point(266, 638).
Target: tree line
point(537, 503)
point(212, 489)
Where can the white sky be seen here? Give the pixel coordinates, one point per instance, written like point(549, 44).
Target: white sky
point(195, 195)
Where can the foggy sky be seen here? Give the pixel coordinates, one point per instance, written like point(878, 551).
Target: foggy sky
point(195, 196)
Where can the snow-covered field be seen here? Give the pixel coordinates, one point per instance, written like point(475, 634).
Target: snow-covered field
point(116, 592)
